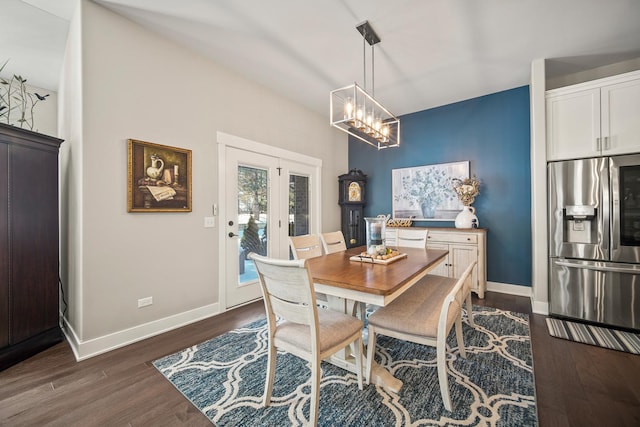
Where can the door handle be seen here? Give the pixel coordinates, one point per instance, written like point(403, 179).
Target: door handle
point(232, 234)
point(631, 269)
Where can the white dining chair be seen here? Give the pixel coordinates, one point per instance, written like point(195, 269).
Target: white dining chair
point(305, 246)
point(412, 238)
point(333, 241)
point(425, 314)
point(303, 330)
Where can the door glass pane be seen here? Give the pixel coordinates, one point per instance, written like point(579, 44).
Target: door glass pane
point(630, 206)
point(252, 218)
point(298, 205)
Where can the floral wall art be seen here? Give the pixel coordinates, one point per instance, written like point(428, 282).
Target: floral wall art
point(426, 193)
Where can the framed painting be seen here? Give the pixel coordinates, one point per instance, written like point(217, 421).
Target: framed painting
point(159, 178)
point(425, 193)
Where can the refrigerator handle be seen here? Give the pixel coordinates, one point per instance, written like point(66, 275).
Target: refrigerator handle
point(570, 264)
point(614, 203)
point(606, 211)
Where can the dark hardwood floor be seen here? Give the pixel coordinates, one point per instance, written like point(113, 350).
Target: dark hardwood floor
point(576, 384)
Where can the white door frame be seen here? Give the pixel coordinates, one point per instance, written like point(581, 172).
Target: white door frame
point(225, 140)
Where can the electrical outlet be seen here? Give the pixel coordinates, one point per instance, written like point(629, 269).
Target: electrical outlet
point(209, 222)
point(143, 302)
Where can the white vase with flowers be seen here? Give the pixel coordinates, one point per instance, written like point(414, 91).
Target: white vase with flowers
point(467, 189)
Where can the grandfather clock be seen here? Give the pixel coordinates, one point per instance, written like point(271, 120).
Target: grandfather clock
point(351, 198)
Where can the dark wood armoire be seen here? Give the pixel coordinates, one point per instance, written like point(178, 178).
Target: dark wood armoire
point(29, 241)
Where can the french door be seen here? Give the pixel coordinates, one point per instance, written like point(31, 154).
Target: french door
point(266, 198)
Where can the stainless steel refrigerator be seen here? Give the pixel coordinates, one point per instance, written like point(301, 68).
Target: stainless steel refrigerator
point(594, 240)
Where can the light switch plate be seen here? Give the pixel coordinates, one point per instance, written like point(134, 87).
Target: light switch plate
point(209, 222)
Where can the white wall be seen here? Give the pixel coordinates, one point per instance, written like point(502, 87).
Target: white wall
point(135, 84)
point(539, 279)
point(70, 129)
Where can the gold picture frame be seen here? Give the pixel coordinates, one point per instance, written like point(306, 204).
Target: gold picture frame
point(159, 178)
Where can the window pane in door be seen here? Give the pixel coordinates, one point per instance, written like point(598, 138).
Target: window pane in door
point(298, 205)
point(252, 218)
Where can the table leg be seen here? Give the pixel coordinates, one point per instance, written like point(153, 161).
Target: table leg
point(346, 360)
point(383, 378)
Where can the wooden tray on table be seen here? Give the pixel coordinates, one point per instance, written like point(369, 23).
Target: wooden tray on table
point(369, 259)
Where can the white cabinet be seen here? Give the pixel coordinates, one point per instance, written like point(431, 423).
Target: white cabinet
point(464, 246)
point(594, 118)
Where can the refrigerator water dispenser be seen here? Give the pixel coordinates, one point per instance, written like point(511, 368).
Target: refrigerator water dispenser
point(579, 224)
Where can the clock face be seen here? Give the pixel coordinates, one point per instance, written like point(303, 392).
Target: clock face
point(355, 195)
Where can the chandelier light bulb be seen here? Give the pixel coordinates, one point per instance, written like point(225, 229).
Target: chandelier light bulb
point(359, 117)
point(377, 124)
point(348, 109)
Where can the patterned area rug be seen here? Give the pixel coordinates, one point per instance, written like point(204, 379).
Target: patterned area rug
point(224, 379)
point(594, 335)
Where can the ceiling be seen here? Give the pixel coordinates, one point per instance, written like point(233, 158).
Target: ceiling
point(432, 52)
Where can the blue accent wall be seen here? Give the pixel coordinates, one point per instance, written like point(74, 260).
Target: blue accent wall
point(492, 132)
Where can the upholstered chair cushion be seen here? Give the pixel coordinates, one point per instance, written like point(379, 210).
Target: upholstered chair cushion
point(334, 326)
point(421, 301)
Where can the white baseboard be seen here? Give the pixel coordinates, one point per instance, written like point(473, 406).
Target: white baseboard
point(93, 347)
point(505, 288)
point(538, 307)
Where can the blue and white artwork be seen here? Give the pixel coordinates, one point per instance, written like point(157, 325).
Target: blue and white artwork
point(425, 193)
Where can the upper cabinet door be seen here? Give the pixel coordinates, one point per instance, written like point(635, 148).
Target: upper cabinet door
point(621, 118)
point(573, 125)
point(597, 118)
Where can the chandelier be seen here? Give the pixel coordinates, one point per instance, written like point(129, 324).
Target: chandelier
point(354, 111)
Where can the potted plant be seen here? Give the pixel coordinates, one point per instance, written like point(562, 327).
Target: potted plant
point(17, 102)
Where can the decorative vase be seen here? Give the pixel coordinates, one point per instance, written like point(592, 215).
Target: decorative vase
point(467, 218)
point(376, 235)
point(428, 210)
point(157, 165)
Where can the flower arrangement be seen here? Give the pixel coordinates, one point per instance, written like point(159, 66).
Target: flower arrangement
point(467, 189)
point(16, 99)
point(431, 186)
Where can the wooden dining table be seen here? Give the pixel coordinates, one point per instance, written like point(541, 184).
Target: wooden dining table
point(346, 283)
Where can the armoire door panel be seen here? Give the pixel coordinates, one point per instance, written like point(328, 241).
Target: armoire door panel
point(34, 224)
point(4, 248)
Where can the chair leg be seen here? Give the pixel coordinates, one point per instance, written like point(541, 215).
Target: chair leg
point(459, 336)
point(314, 402)
point(441, 355)
point(470, 311)
point(357, 351)
point(371, 347)
point(271, 370)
